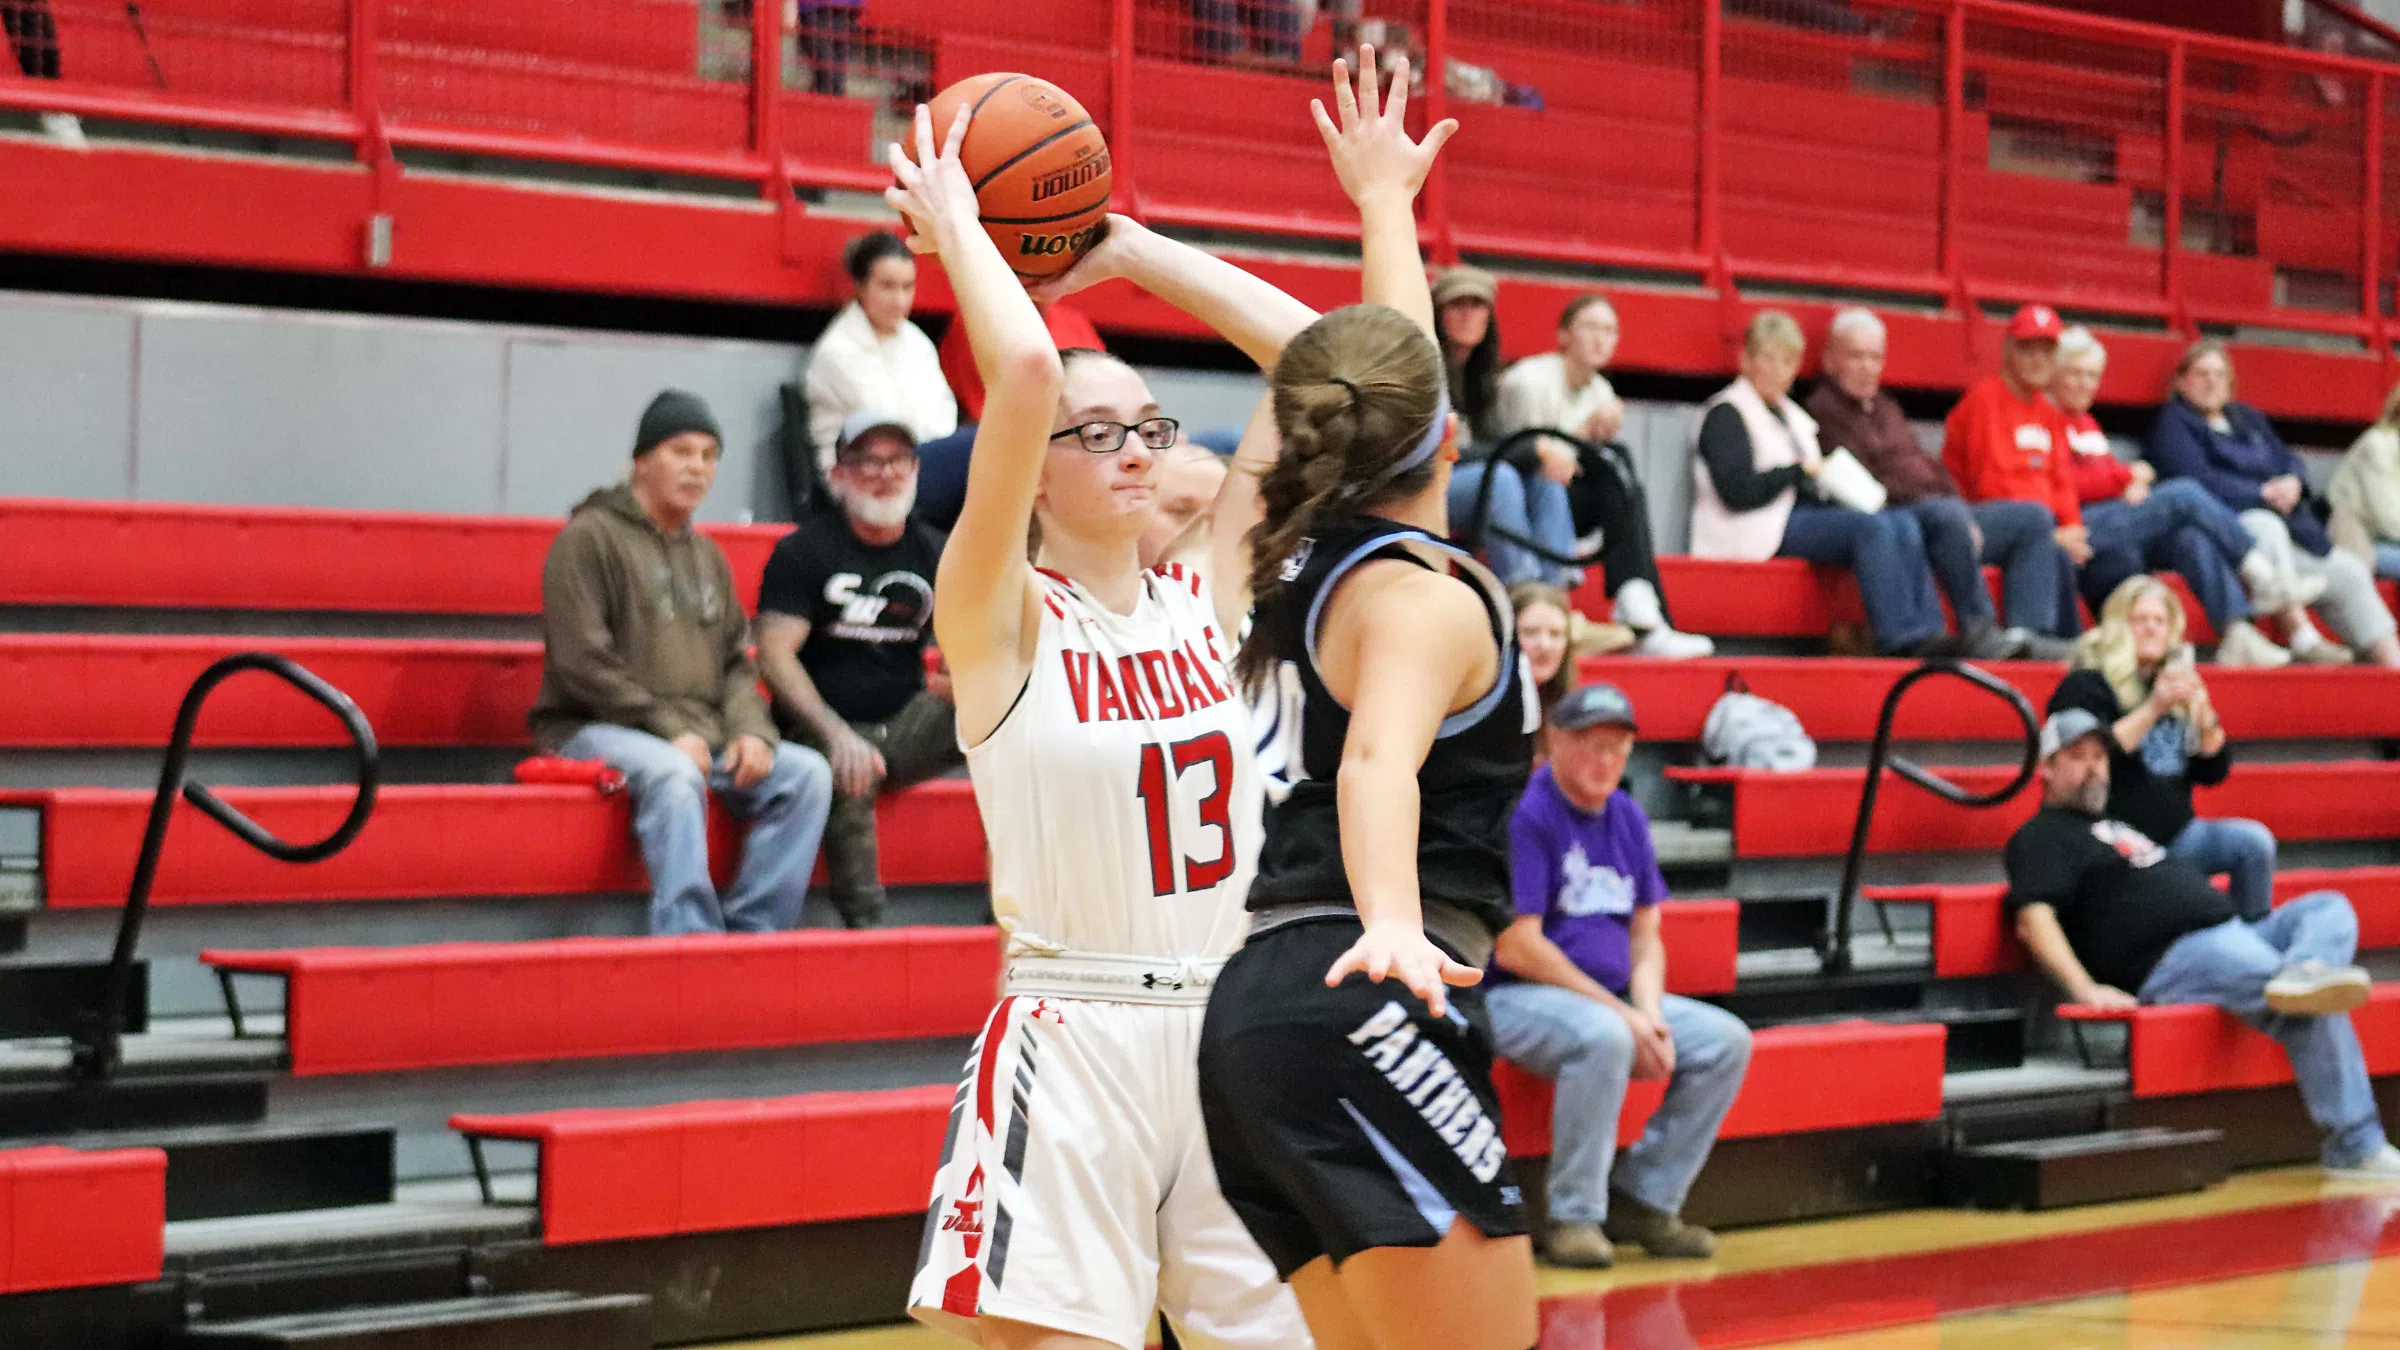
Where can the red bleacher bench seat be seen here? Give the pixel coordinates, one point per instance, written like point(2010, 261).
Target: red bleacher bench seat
point(388, 1009)
point(1811, 814)
point(1972, 935)
point(696, 1167)
point(2175, 1049)
point(144, 555)
point(71, 1219)
point(84, 690)
point(1825, 1076)
point(433, 841)
point(1839, 698)
point(1703, 940)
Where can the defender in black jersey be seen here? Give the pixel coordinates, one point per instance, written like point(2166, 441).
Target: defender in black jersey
point(1354, 1117)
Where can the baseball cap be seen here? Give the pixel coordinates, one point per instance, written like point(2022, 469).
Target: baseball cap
point(859, 424)
point(2035, 323)
point(1594, 705)
point(2065, 727)
point(1465, 283)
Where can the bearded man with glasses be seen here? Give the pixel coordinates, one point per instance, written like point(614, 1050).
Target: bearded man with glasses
point(844, 613)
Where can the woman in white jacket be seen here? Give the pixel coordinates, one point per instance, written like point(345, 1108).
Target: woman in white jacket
point(2365, 493)
point(871, 358)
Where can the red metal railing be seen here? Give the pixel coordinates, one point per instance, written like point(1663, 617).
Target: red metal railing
point(1966, 151)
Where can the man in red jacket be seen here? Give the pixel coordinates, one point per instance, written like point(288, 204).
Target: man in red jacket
point(2007, 442)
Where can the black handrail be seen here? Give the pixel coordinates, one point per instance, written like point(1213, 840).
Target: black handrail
point(1834, 949)
point(97, 1042)
point(1478, 526)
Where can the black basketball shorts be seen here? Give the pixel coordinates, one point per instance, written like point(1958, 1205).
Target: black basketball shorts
point(1348, 1118)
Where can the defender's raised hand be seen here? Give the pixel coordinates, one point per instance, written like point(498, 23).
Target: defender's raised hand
point(1373, 154)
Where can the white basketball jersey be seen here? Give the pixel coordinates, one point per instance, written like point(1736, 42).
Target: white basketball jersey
point(1121, 794)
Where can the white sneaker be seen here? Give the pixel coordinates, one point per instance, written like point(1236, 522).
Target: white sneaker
point(1670, 645)
point(1638, 607)
point(66, 129)
point(2273, 590)
point(2383, 1165)
point(2315, 989)
point(2242, 644)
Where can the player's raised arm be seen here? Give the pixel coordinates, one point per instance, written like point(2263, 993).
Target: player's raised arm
point(1382, 168)
point(983, 592)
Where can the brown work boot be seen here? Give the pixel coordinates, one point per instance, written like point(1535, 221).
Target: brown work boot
point(1658, 1233)
point(1579, 1245)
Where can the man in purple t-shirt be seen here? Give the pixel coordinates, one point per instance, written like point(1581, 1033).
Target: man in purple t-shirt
point(1580, 998)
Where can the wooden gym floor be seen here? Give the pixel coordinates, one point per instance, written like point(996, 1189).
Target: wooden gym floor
point(2271, 1260)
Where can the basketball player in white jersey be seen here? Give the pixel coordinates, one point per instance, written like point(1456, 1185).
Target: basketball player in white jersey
point(1112, 763)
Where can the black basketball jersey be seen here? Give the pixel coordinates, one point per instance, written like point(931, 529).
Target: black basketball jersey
point(1471, 778)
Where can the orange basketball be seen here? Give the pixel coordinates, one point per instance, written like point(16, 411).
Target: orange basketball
point(1039, 166)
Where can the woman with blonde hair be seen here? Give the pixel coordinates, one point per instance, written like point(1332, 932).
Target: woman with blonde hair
point(2135, 673)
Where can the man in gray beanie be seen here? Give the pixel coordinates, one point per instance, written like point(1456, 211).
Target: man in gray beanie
point(645, 665)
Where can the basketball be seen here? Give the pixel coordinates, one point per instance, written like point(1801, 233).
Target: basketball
point(1039, 166)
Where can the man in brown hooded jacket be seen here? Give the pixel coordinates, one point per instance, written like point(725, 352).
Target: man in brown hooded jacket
point(645, 665)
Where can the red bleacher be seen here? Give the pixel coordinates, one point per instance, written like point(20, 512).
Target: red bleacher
point(696, 1167)
point(70, 1219)
point(1838, 699)
point(2179, 1048)
point(389, 1009)
point(1811, 813)
point(1972, 935)
point(433, 840)
point(1825, 1076)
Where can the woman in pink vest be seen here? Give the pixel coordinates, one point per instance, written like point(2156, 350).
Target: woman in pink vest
point(1754, 497)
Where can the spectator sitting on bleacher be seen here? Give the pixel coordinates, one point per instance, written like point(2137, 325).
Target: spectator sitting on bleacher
point(2137, 522)
point(1854, 413)
point(2365, 493)
point(2134, 672)
point(872, 357)
point(1580, 998)
point(2227, 447)
point(1189, 477)
point(2105, 911)
point(2006, 446)
point(1754, 468)
point(844, 612)
point(645, 665)
point(1570, 496)
point(1462, 299)
point(1554, 635)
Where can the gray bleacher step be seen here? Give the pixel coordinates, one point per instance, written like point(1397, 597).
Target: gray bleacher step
point(1870, 953)
point(421, 1215)
point(2084, 1169)
point(1683, 845)
point(2036, 1078)
point(172, 1046)
point(1978, 1039)
point(534, 1321)
point(220, 1171)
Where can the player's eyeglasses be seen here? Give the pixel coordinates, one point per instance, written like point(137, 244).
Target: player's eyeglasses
point(1106, 438)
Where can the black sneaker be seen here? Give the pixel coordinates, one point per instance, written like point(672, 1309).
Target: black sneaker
point(1985, 642)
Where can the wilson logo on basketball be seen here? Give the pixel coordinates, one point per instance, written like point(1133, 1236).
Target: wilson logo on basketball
point(1039, 98)
point(1052, 245)
point(1068, 179)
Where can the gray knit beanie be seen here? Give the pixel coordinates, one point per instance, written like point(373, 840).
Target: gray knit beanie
point(672, 413)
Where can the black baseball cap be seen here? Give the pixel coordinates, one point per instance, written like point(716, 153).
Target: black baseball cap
point(1594, 705)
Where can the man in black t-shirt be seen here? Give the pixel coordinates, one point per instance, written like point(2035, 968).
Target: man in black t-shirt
point(844, 614)
point(2106, 910)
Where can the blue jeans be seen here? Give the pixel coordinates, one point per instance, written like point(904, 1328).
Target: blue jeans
point(1886, 553)
point(2180, 527)
point(2229, 965)
point(2243, 851)
point(1941, 525)
point(1533, 506)
point(1587, 1050)
point(2387, 560)
point(786, 810)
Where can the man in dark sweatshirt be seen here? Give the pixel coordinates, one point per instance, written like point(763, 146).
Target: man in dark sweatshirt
point(645, 664)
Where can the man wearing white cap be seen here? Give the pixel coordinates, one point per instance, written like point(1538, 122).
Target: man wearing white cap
point(2106, 910)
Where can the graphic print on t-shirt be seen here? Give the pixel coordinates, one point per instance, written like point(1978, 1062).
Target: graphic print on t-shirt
point(893, 607)
point(2131, 844)
point(1585, 890)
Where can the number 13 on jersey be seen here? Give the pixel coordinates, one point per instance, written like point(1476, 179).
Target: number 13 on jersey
point(1163, 770)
